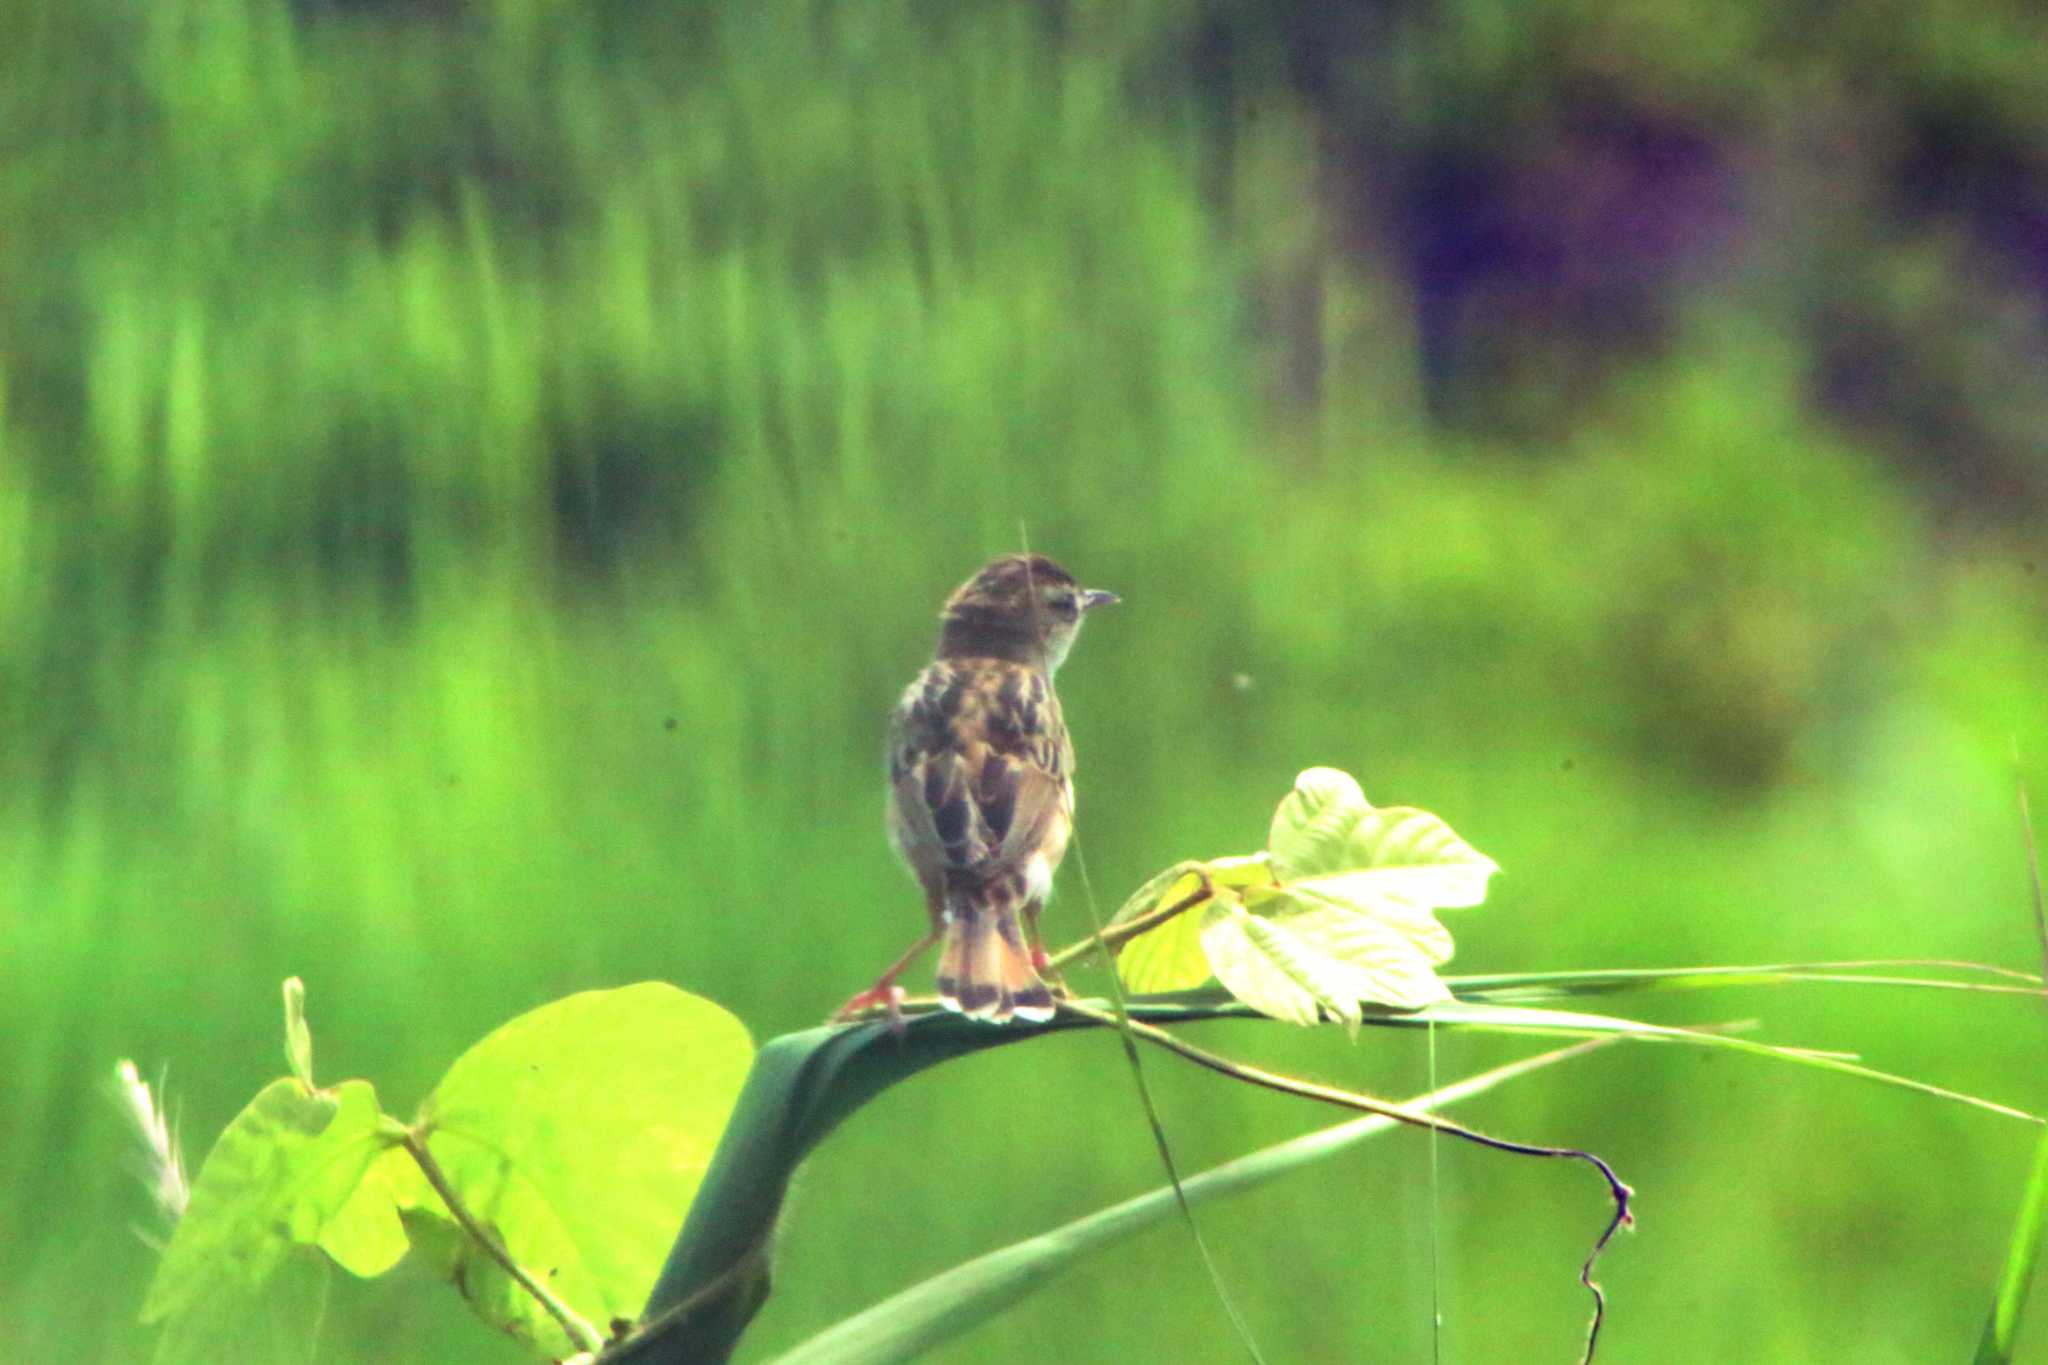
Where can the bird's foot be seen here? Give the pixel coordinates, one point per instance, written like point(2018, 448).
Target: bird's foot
point(1042, 964)
point(884, 994)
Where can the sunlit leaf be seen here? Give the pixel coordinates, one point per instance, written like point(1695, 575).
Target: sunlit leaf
point(1168, 958)
point(1339, 912)
point(1302, 964)
point(1355, 893)
point(1326, 828)
point(578, 1134)
point(281, 1175)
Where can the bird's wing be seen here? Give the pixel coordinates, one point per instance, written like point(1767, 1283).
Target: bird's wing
point(978, 760)
point(1025, 804)
point(932, 765)
point(1025, 778)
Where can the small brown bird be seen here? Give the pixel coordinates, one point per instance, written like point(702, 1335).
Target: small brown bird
point(981, 794)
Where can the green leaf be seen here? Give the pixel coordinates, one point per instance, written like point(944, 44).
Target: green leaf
point(1351, 894)
point(1340, 913)
point(1302, 963)
point(950, 1303)
point(366, 1237)
point(282, 1173)
point(1170, 957)
point(2001, 1329)
point(1398, 855)
point(578, 1133)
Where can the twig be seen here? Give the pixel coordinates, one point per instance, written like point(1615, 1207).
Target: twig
point(1617, 1190)
point(582, 1333)
point(1116, 935)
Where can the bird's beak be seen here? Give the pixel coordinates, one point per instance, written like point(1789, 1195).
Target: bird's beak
point(1098, 597)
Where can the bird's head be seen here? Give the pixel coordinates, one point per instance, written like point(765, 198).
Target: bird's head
point(1020, 607)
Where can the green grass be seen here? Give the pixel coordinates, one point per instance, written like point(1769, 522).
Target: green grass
point(406, 419)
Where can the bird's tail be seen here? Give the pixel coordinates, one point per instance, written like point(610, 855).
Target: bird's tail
point(985, 970)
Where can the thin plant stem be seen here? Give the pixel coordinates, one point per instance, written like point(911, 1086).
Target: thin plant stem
point(582, 1333)
point(1116, 935)
point(1290, 1085)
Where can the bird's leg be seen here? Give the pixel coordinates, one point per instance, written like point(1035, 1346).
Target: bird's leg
point(885, 992)
point(1040, 963)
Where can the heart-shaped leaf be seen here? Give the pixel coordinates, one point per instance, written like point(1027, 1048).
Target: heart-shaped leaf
point(286, 1174)
point(578, 1133)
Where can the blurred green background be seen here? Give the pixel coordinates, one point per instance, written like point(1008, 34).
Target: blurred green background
point(474, 475)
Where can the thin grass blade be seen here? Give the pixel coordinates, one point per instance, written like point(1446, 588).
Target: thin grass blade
point(2001, 1329)
point(1523, 987)
point(1523, 1019)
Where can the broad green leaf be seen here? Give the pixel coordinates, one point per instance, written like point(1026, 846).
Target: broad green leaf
point(1340, 914)
point(1325, 826)
point(578, 1133)
point(282, 1173)
point(957, 1300)
point(1168, 958)
point(1301, 964)
point(2001, 1328)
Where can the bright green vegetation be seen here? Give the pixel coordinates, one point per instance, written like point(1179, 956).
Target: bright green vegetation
point(474, 477)
point(545, 1176)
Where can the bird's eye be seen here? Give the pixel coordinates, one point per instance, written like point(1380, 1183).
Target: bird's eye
point(1064, 603)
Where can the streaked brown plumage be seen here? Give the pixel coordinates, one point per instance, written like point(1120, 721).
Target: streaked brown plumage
point(981, 794)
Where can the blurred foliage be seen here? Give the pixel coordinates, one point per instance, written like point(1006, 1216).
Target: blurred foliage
point(473, 474)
